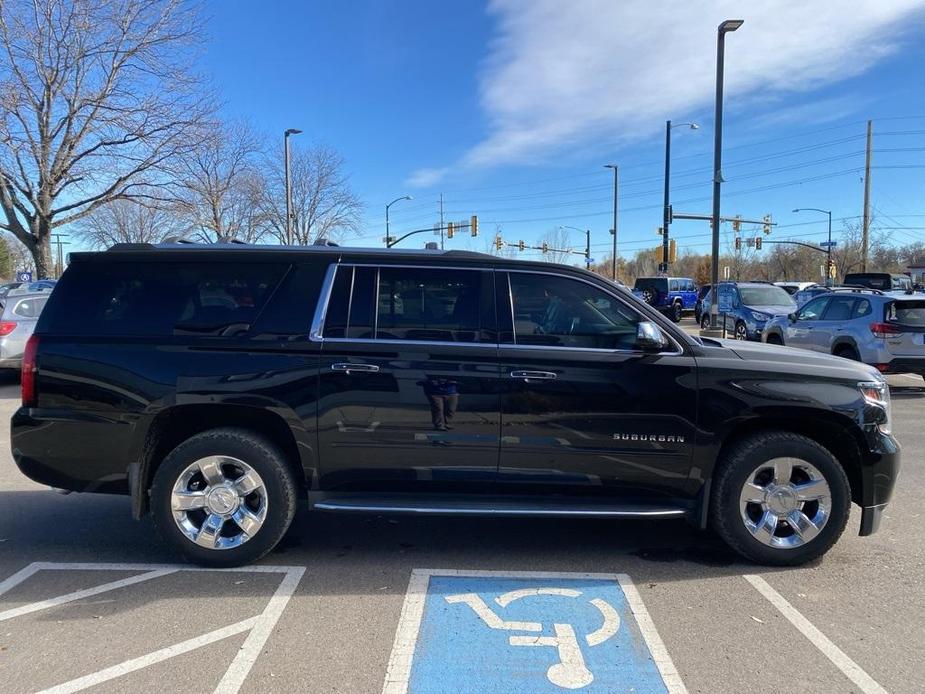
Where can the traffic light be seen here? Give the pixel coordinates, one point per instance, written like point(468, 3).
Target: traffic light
point(757, 243)
point(767, 224)
point(672, 251)
point(499, 242)
point(738, 243)
point(737, 224)
point(474, 225)
point(521, 245)
point(450, 230)
point(544, 247)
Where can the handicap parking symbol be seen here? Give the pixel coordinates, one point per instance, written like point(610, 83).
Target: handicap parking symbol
point(527, 632)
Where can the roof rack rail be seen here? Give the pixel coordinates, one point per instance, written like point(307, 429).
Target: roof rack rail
point(855, 288)
point(131, 247)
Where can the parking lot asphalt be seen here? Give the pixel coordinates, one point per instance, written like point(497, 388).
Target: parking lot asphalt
point(851, 622)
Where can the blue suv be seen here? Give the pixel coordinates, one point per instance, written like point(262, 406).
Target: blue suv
point(751, 306)
point(670, 295)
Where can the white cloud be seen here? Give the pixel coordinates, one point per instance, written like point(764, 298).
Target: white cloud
point(563, 74)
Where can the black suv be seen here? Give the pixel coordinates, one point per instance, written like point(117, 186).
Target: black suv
point(219, 384)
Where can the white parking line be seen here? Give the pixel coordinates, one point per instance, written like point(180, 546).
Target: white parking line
point(260, 627)
point(851, 669)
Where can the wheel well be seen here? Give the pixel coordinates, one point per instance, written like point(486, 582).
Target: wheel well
point(176, 424)
point(839, 440)
point(844, 345)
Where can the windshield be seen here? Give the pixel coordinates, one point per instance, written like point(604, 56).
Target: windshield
point(765, 296)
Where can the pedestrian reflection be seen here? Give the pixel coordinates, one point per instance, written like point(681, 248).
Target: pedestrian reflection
point(443, 395)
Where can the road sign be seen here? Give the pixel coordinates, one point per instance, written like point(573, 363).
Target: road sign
point(24, 276)
point(523, 631)
point(827, 244)
point(726, 297)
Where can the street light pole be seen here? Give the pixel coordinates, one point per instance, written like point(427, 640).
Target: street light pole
point(587, 233)
point(613, 260)
point(387, 237)
point(828, 248)
point(666, 219)
point(290, 131)
point(724, 28)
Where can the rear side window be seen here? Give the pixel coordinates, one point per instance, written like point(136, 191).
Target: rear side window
point(157, 299)
point(673, 286)
point(350, 310)
point(429, 304)
point(29, 308)
point(861, 309)
point(839, 308)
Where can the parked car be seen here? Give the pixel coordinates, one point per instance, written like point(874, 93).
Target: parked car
point(804, 295)
point(753, 305)
point(18, 316)
point(217, 384)
point(883, 330)
point(698, 306)
point(42, 285)
point(794, 287)
point(670, 295)
point(884, 281)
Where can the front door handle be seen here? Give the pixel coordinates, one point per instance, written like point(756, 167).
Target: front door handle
point(354, 368)
point(533, 376)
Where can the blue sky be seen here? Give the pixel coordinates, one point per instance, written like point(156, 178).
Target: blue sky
point(511, 109)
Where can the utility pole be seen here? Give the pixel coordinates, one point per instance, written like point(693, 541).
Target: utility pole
point(724, 28)
point(666, 217)
point(59, 265)
point(613, 260)
point(441, 221)
point(865, 227)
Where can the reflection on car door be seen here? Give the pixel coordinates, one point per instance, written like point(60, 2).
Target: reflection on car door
point(409, 381)
point(800, 331)
point(582, 410)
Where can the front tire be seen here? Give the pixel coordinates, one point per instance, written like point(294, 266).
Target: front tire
point(224, 497)
point(741, 331)
point(779, 499)
point(676, 312)
point(775, 339)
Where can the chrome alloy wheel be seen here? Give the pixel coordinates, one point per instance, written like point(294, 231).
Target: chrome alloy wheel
point(741, 332)
point(785, 503)
point(219, 502)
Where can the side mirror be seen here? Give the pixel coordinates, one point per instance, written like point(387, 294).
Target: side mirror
point(792, 317)
point(649, 337)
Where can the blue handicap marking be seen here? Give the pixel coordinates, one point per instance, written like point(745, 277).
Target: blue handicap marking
point(494, 633)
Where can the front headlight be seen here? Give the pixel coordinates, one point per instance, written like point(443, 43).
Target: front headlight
point(877, 393)
point(759, 316)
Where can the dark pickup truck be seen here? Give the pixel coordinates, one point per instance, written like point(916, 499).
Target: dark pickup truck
point(217, 385)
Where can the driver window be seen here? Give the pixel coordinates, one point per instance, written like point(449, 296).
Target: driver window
point(813, 310)
point(560, 312)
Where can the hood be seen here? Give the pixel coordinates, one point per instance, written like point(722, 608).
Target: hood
point(816, 362)
point(774, 310)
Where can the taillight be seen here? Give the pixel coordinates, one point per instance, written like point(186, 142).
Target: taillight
point(6, 327)
point(29, 367)
point(884, 330)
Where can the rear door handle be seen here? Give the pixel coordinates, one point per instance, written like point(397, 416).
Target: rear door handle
point(354, 368)
point(530, 376)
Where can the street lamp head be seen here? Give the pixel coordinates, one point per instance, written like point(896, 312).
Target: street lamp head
point(694, 126)
point(610, 166)
point(799, 209)
point(730, 25)
point(293, 131)
point(408, 197)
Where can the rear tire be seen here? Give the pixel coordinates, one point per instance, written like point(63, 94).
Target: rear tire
point(676, 312)
point(704, 320)
point(847, 353)
point(236, 461)
point(741, 331)
point(756, 467)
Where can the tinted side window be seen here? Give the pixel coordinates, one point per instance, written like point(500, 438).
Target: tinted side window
point(429, 304)
point(156, 299)
point(561, 312)
point(839, 308)
point(673, 285)
point(29, 308)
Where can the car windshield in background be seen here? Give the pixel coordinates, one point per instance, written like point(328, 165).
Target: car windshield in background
point(765, 296)
point(911, 313)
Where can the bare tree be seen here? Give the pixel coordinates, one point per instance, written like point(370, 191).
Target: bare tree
point(323, 204)
point(128, 221)
point(558, 240)
point(95, 97)
point(221, 187)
